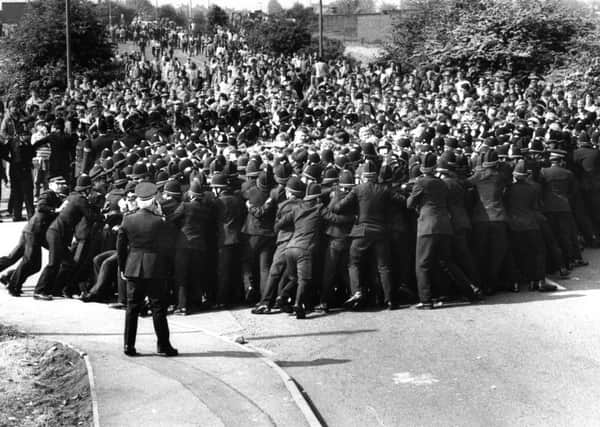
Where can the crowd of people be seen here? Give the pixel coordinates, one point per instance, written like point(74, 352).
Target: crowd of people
point(298, 184)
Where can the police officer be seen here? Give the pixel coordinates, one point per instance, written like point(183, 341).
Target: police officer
point(371, 201)
point(59, 237)
point(143, 267)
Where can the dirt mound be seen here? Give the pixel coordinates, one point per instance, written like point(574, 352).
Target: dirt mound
point(42, 383)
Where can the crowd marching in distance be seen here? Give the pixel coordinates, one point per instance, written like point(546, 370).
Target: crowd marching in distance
point(297, 184)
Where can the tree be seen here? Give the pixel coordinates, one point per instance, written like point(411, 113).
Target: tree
point(350, 7)
point(518, 36)
point(199, 23)
point(169, 13)
point(274, 7)
point(304, 16)
point(117, 10)
point(281, 35)
point(36, 51)
point(217, 16)
point(142, 8)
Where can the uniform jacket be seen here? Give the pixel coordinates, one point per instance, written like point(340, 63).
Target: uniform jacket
point(75, 208)
point(231, 212)
point(44, 215)
point(196, 220)
point(372, 202)
point(587, 167)
point(334, 229)
point(430, 198)
point(457, 202)
point(138, 249)
point(490, 185)
point(558, 186)
point(308, 218)
point(260, 222)
point(522, 203)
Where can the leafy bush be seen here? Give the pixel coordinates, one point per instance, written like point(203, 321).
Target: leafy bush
point(35, 54)
point(519, 36)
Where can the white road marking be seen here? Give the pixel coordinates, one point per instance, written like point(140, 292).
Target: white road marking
point(376, 415)
point(408, 378)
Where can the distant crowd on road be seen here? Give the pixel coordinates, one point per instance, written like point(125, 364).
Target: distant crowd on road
point(295, 183)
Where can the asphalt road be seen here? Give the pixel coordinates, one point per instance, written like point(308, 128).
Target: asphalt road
point(527, 359)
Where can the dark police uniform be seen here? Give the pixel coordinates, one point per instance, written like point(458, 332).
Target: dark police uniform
point(140, 262)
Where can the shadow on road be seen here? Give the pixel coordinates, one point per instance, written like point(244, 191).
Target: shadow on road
point(235, 354)
point(308, 363)
point(314, 334)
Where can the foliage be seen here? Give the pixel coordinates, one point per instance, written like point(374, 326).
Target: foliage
point(169, 13)
point(216, 16)
point(303, 16)
point(277, 36)
point(349, 7)
point(36, 51)
point(199, 23)
point(117, 10)
point(281, 35)
point(142, 8)
point(518, 36)
point(274, 7)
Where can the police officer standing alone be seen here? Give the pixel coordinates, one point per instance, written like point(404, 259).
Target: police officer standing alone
point(140, 263)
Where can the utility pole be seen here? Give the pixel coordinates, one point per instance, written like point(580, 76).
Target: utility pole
point(110, 19)
point(320, 29)
point(68, 40)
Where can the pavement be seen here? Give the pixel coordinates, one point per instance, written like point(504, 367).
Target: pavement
point(213, 382)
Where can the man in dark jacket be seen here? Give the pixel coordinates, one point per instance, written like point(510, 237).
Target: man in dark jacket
point(194, 219)
point(59, 237)
point(231, 213)
point(371, 201)
point(260, 239)
point(62, 150)
point(33, 238)
point(489, 220)
point(307, 219)
point(141, 264)
point(434, 236)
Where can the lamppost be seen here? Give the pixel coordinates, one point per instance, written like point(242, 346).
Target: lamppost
point(68, 40)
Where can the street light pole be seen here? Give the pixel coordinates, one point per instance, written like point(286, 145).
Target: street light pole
point(68, 40)
point(320, 29)
point(109, 16)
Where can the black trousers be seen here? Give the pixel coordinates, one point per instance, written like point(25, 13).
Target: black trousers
point(299, 271)
point(21, 188)
point(137, 290)
point(463, 257)
point(31, 262)
point(54, 274)
point(106, 273)
point(561, 224)
point(379, 248)
point(490, 247)
point(434, 263)
point(276, 273)
point(228, 277)
point(190, 274)
point(15, 254)
point(335, 267)
point(554, 256)
point(257, 256)
point(529, 253)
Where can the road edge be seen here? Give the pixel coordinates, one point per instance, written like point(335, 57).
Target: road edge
point(91, 380)
point(311, 417)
